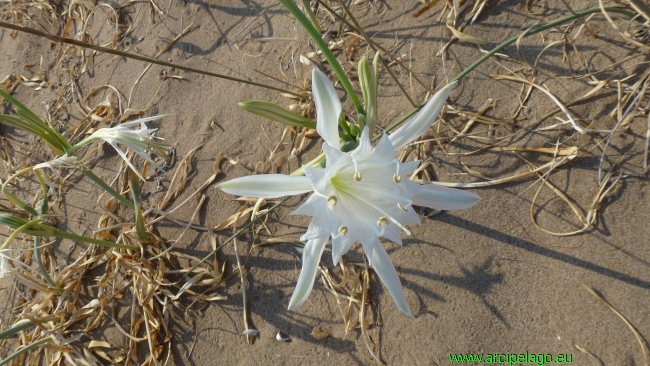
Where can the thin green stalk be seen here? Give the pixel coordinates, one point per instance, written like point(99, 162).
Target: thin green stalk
point(36, 228)
point(86, 239)
point(343, 20)
point(314, 21)
point(344, 125)
point(541, 28)
point(107, 188)
point(41, 267)
point(322, 45)
point(18, 202)
point(17, 328)
point(25, 349)
point(91, 46)
point(37, 251)
point(25, 325)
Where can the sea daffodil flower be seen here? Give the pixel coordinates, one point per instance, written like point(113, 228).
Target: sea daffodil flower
point(359, 196)
point(139, 141)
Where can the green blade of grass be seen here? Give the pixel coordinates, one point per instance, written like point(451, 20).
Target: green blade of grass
point(331, 59)
point(107, 188)
point(37, 250)
point(84, 239)
point(25, 349)
point(25, 324)
point(312, 16)
point(35, 125)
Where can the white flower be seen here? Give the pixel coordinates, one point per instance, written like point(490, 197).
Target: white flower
point(357, 197)
point(5, 267)
point(64, 161)
point(140, 141)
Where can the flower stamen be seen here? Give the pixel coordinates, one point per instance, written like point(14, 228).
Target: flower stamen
point(402, 207)
point(343, 230)
point(386, 216)
point(396, 177)
point(383, 223)
point(357, 176)
point(382, 220)
point(333, 199)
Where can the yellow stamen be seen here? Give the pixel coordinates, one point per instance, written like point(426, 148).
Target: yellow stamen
point(402, 208)
point(357, 176)
point(397, 178)
point(382, 220)
point(343, 230)
point(333, 199)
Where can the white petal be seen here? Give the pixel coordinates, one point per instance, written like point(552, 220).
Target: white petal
point(444, 198)
point(328, 109)
point(340, 246)
point(126, 160)
point(334, 157)
point(143, 120)
point(267, 185)
point(364, 150)
point(419, 124)
point(386, 271)
point(322, 225)
point(310, 258)
point(311, 207)
point(317, 177)
point(280, 338)
point(408, 168)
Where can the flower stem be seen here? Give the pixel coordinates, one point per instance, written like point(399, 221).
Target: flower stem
point(25, 349)
point(41, 267)
point(37, 251)
point(322, 45)
point(537, 30)
point(107, 188)
point(314, 21)
point(25, 325)
point(86, 239)
point(139, 220)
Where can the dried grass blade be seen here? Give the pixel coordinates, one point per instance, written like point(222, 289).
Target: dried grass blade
point(639, 338)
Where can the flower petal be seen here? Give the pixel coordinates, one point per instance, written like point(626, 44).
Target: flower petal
point(126, 159)
point(444, 198)
point(323, 223)
point(419, 124)
point(328, 109)
point(365, 149)
point(267, 185)
point(388, 275)
point(310, 258)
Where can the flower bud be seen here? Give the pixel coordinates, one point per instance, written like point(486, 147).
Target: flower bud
point(368, 81)
point(277, 113)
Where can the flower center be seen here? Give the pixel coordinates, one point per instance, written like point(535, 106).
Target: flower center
point(346, 189)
